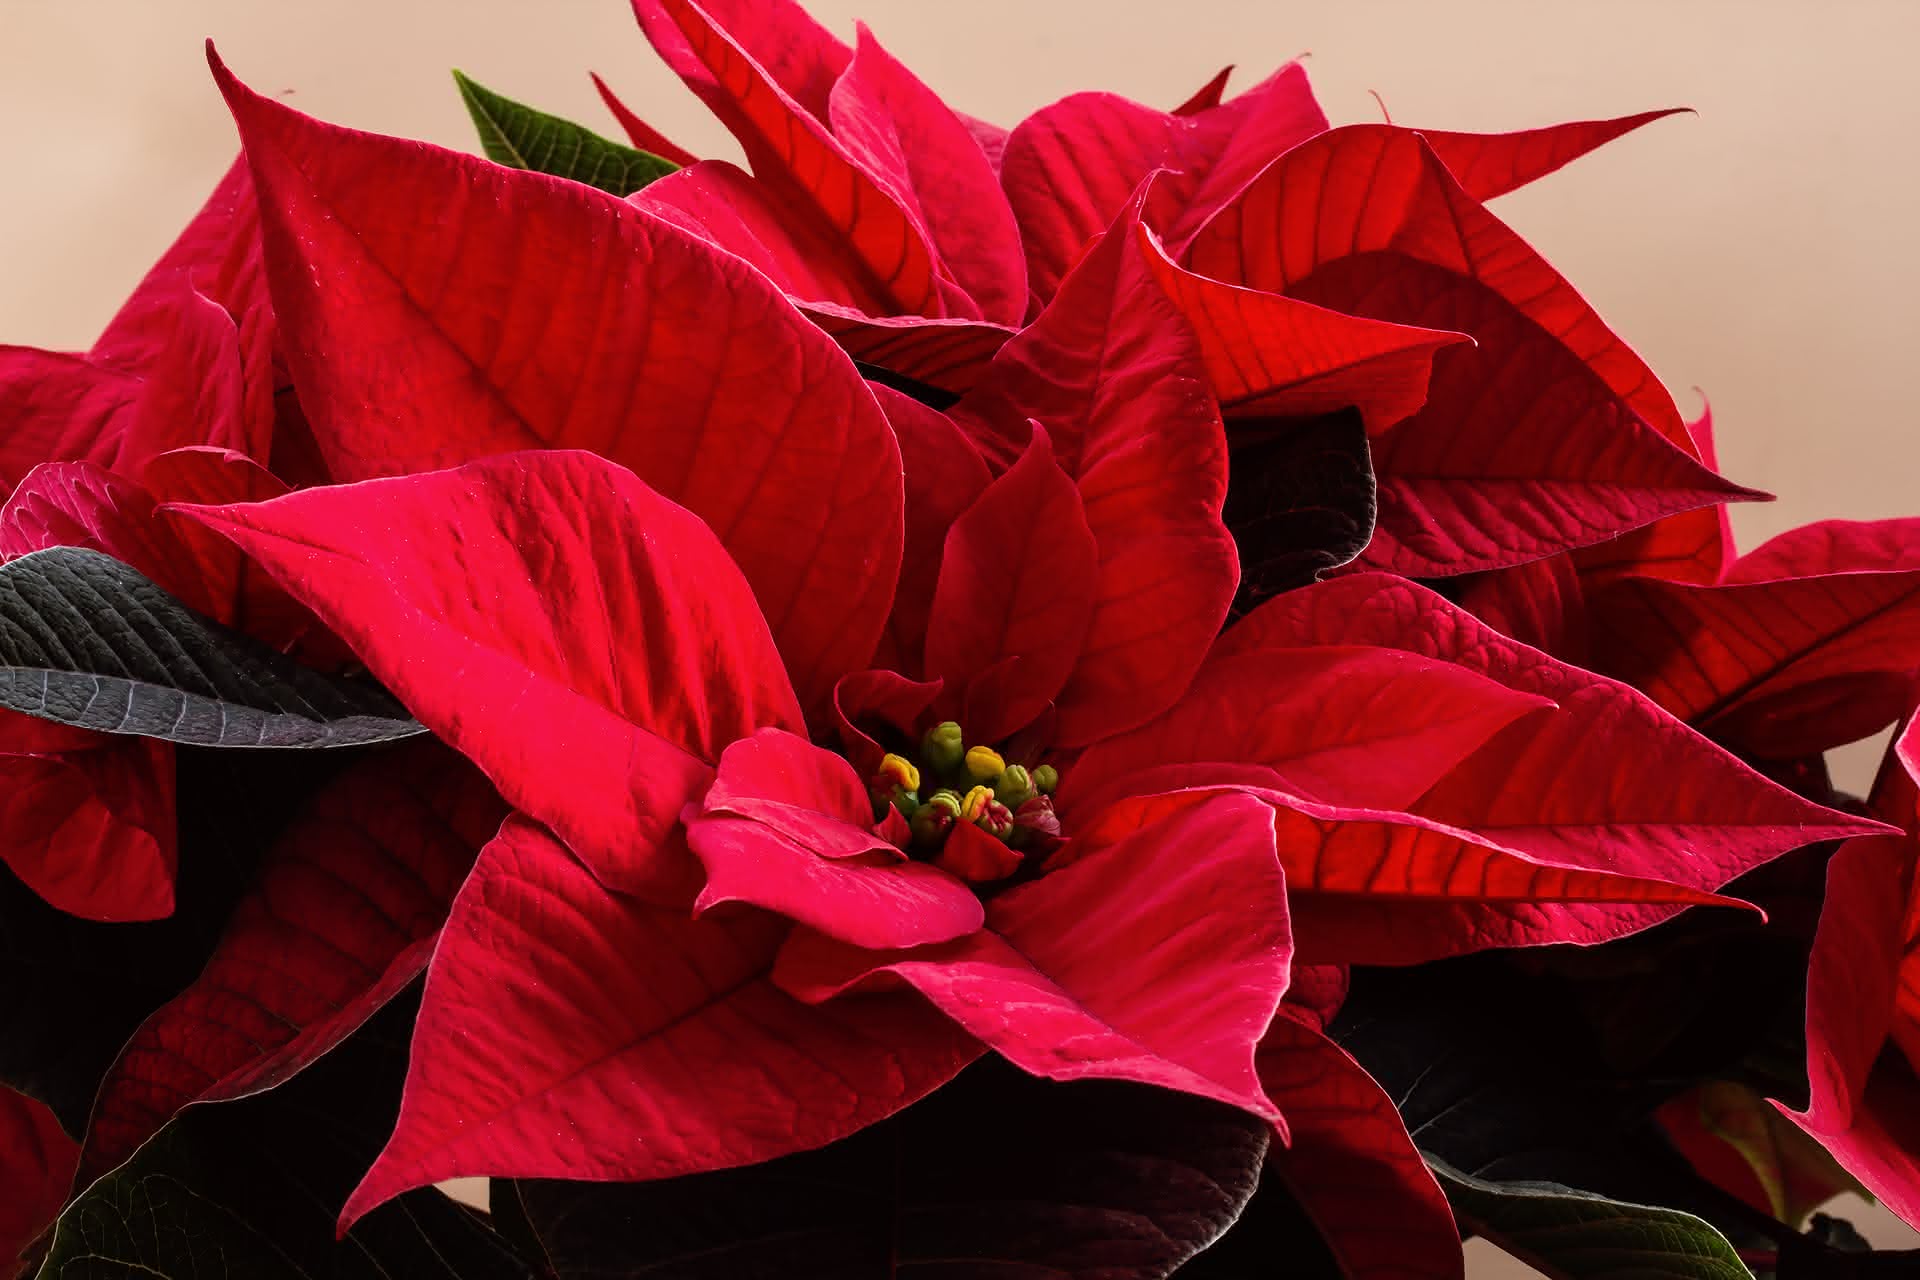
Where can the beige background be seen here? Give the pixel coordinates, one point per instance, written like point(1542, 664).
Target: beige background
point(1762, 250)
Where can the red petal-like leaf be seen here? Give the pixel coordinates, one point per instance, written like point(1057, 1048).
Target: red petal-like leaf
point(1382, 724)
point(1317, 993)
point(944, 475)
point(59, 407)
point(1774, 665)
point(214, 266)
point(1159, 958)
point(1351, 1164)
point(560, 316)
point(795, 52)
point(866, 901)
point(1207, 95)
point(36, 1170)
point(1070, 168)
point(1113, 372)
point(732, 210)
point(1540, 603)
point(638, 131)
point(902, 133)
point(790, 147)
point(78, 504)
point(90, 830)
point(1864, 1102)
point(1607, 780)
point(339, 919)
point(1017, 581)
point(1373, 887)
point(881, 700)
point(1694, 546)
point(788, 826)
point(187, 360)
point(951, 355)
point(1491, 164)
point(248, 599)
point(797, 790)
point(571, 1032)
point(1832, 546)
point(1543, 602)
point(584, 641)
point(1269, 355)
point(194, 389)
point(811, 264)
point(1366, 220)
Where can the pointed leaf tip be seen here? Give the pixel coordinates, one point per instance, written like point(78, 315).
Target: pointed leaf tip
point(521, 137)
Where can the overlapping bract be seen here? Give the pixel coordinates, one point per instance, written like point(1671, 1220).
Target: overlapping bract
point(601, 491)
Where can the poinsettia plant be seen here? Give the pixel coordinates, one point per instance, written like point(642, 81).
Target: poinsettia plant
point(1147, 693)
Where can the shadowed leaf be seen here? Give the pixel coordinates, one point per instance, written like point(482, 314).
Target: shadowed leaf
point(247, 1190)
point(1304, 504)
point(1574, 1235)
point(89, 642)
point(997, 1174)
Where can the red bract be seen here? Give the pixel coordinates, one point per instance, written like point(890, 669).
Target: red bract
point(788, 827)
point(941, 591)
point(1071, 167)
point(188, 360)
point(36, 1168)
point(671, 693)
point(871, 200)
point(1607, 780)
point(1348, 1156)
point(1063, 595)
point(1863, 1010)
point(342, 914)
point(1587, 445)
point(1810, 642)
point(90, 819)
point(183, 375)
point(529, 341)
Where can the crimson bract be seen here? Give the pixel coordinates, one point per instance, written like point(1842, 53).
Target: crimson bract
point(1149, 692)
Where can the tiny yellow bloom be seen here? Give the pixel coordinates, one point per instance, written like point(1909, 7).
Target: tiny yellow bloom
point(975, 803)
point(900, 771)
point(984, 764)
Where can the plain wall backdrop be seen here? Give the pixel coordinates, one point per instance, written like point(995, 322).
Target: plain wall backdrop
point(1762, 250)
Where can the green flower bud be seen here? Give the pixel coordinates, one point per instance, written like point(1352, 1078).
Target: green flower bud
point(1045, 779)
point(907, 802)
point(1014, 787)
point(932, 820)
point(944, 748)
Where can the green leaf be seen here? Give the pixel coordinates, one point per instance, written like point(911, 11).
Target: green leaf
point(249, 1190)
point(1573, 1235)
point(997, 1174)
point(518, 136)
point(89, 642)
point(76, 989)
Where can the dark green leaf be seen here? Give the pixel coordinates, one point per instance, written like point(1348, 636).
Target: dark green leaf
point(1302, 501)
point(1275, 1238)
point(1497, 1074)
point(250, 1190)
point(519, 136)
point(1572, 1235)
point(996, 1175)
point(90, 642)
